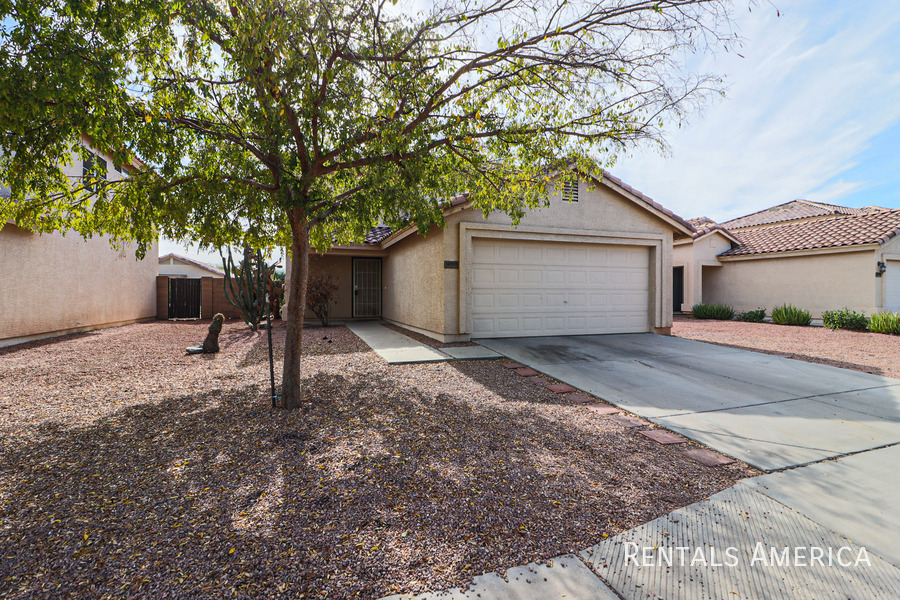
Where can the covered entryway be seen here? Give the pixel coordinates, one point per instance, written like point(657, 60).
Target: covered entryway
point(677, 288)
point(366, 287)
point(531, 288)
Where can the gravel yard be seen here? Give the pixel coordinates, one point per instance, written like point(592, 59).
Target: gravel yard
point(128, 469)
point(862, 351)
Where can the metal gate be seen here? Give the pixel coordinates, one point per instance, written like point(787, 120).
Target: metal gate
point(366, 287)
point(184, 298)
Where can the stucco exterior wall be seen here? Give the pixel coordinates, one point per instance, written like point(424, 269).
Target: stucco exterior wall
point(341, 269)
point(174, 267)
point(413, 280)
point(51, 284)
point(698, 257)
point(600, 213)
point(816, 282)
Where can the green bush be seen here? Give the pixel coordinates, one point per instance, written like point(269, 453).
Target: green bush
point(885, 322)
point(753, 316)
point(788, 314)
point(845, 319)
point(713, 311)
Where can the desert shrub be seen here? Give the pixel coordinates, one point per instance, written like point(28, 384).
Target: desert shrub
point(845, 319)
point(788, 314)
point(885, 322)
point(713, 311)
point(753, 316)
point(320, 290)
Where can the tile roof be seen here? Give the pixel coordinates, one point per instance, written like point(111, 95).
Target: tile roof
point(795, 209)
point(376, 235)
point(841, 230)
point(704, 225)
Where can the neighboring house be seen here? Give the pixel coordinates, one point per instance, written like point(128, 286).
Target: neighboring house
point(598, 259)
point(174, 265)
point(816, 256)
point(53, 284)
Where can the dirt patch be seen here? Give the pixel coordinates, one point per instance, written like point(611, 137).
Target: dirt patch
point(130, 469)
point(858, 350)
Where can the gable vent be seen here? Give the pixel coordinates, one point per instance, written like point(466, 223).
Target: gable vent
point(570, 191)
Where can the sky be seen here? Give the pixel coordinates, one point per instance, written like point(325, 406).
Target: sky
point(811, 110)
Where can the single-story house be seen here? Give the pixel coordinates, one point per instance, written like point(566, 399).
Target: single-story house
point(53, 284)
point(813, 255)
point(174, 265)
point(597, 259)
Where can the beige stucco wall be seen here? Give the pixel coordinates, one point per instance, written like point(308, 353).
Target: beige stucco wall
point(341, 269)
point(698, 257)
point(174, 267)
point(413, 280)
point(600, 214)
point(816, 282)
point(53, 284)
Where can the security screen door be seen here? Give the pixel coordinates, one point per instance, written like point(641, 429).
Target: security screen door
point(366, 287)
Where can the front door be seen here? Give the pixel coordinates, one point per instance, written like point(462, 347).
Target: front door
point(366, 287)
point(677, 288)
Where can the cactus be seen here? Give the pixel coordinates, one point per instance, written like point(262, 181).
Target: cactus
point(245, 286)
point(211, 343)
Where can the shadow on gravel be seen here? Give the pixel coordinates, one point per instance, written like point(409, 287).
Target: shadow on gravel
point(376, 487)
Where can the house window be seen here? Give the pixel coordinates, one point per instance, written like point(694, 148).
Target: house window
point(89, 177)
point(570, 191)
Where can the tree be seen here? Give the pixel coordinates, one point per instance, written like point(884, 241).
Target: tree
point(307, 122)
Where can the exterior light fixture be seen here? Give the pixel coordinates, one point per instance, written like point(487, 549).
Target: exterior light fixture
point(880, 268)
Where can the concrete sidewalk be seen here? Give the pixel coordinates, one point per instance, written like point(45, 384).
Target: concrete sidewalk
point(394, 347)
point(398, 349)
point(739, 543)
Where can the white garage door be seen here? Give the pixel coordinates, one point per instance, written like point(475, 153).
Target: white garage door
point(523, 289)
point(892, 285)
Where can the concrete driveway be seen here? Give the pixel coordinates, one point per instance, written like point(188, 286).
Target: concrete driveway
point(773, 413)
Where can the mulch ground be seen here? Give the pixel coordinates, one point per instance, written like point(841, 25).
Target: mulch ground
point(858, 350)
point(128, 469)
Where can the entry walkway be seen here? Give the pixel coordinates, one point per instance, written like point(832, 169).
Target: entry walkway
point(394, 347)
point(398, 349)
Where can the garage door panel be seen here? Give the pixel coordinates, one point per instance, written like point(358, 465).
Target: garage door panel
point(548, 288)
point(506, 276)
point(576, 277)
point(554, 276)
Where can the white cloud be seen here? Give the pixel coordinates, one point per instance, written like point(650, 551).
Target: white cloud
point(815, 86)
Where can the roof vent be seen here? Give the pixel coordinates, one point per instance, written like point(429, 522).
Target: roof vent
point(570, 191)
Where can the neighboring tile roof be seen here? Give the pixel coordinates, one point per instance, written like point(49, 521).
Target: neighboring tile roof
point(704, 225)
point(378, 234)
point(843, 230)
point(795, 209)
point(191, 261)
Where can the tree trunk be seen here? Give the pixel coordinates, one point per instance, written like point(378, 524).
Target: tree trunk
point(291, 394)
